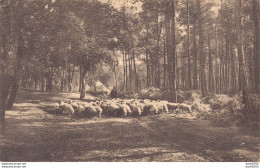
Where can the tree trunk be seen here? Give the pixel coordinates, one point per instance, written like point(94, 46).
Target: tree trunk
point(171, 47)
point(256, 18)
point(226, 62)
point(216, 63)
point(183, 72)
point(164, 64)
point(124, 84)
point(80, 77)
point(49, 82)
point(13, 93)
point(35, 83)
point(136, 77)
point(242, 80)
point(130, 71)
point(83, 84)
point(70, 76)
point(210, 68)
point(42, 82)
point(147, 61)
point(188, 47)
point(62, 80)
point(233, 68)
point(201, 52)
point(195, 67)
point(5, 83)
point(19, 63)
point(158, 82)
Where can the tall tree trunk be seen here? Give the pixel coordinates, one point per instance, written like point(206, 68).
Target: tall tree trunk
point(256, 18)
point(242, 80)
point(5, 83)
point(188, 47)
point(124, 84)
point(12, 96)
point(183, 73)
point(226, 62)
point(10, 82)
point(216, 63)
point(35, 83)
point(42, 81)
point(148, 71)
point(158, 82)
point(233, 69)
point(83, 83)
point(210, 67)
point(164, 63)
point(126, 72)
point(171, 47)
point(19, 60)
point(195, 67)
point(130, 71)
point(136, 77)
point(80, 77)
point(201, 52)
point(70, 76)
point(62, 80)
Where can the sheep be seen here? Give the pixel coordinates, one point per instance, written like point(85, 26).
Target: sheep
point(90, 111)
point(96, 103)
point(164, 105)
point(145, 101)
point(122, 110)
point(184, 106)
point(150, 109)
point(74, 105)
point(67, 108)
point(56, 106)
point(98, 110)
point(113, 109)
point(136, 109)
point(68, 101)
point(129, 111)
point(104, 107)
point(81, 110)
point(172, 106)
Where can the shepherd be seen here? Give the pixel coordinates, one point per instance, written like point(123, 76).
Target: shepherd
point(113, 93)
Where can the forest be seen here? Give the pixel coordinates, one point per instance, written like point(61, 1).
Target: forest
point(163, 48)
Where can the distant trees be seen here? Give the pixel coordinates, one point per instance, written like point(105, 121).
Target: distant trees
point(186, 44)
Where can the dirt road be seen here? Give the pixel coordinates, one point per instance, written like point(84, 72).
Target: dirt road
point(32, 134)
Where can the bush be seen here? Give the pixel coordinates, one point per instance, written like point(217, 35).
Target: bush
point(151, 93)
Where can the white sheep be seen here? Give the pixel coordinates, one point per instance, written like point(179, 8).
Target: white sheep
point(113, 109)
point(172, 106)
point(67, 108)
point(164, 105)
point(122, 110)
point(136, 109)
point(150, 108)
point(90, 111)
point(99, 110)
point(56, 106)
point(185, 107)
point(81, 110)
point(74, 105)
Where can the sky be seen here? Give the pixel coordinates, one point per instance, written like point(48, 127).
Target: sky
point(127, 3)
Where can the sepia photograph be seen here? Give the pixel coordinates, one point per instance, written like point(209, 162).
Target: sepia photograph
point(129, 81)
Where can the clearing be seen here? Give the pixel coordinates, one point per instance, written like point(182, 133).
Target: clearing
point(32, 134)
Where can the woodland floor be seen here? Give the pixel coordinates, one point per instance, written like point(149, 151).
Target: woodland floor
point(32, 134)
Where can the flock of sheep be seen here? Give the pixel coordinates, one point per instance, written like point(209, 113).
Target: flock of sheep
point(117, 107)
